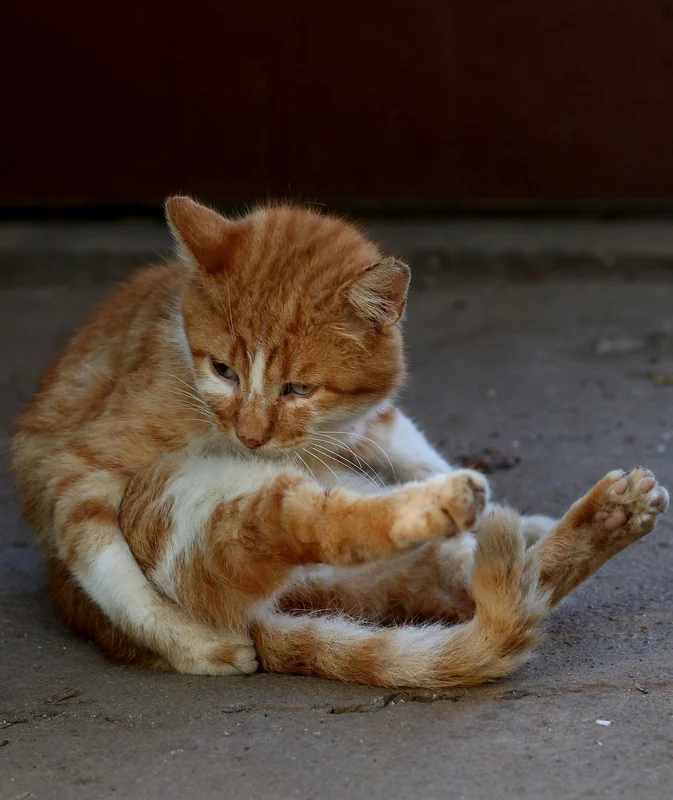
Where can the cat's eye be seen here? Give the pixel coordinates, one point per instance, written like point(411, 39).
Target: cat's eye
point(225, 371)
point(300, 389)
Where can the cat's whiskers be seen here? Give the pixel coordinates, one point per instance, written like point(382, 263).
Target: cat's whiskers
point(185, 401)
point(192, 394)
point(198, 413)
point(303, 461)
point(189, 401)
point(348, 464)
point(193, 390)
point(317, 457)
point(376, 444)
point(359, 458)
point(340, 444)
point(199, 419)
point(344, 463)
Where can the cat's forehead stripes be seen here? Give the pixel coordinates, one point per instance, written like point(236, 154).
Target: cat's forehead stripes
point(258, 372)
point(280, 261)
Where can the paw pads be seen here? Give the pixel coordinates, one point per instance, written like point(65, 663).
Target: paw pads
point(634, 499)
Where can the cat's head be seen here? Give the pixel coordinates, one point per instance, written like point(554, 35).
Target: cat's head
point(292, 319)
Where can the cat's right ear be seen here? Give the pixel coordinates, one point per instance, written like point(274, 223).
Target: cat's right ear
point(379, 294)
point(199, 233)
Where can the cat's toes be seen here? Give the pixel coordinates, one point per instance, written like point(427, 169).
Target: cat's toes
point(463, 495)
point(245, 659)
point(629, 504)
point(226, 655)
point(440, 507)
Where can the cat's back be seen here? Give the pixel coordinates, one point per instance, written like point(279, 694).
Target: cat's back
point(116, 343)
point(88, 400)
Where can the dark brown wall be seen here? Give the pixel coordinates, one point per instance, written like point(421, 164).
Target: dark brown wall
point(439, 100)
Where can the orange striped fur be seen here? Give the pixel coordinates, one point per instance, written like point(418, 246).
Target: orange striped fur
point(219, 477)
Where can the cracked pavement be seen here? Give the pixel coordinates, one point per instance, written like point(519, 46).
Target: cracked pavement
point(568, 372)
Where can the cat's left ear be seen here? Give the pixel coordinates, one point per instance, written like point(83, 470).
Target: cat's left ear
point(198, 231)
point(379, 294)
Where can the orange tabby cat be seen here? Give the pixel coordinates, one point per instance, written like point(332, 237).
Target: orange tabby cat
point(218, 474)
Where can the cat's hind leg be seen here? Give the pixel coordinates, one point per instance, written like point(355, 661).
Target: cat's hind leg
point(434, 582)
point(508, 605)
point(430, 584)
point(618, 511)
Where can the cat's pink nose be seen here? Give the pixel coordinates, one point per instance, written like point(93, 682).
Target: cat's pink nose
point(251, 444)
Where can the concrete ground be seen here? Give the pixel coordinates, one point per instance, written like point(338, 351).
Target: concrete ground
point(569, 369)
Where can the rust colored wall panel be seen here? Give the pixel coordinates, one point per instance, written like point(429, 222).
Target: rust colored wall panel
point(441, 100)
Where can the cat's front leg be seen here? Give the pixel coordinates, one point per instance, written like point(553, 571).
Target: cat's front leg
point(343, 528)
point(236, 530)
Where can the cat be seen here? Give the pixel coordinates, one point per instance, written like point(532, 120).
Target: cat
point(219, 476)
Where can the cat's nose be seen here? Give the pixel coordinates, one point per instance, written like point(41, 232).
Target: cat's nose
point(250, 443)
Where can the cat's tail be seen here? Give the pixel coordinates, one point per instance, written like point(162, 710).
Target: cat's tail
point(509, 605)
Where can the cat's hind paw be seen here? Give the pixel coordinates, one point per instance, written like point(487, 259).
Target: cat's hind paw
point(629, 504)
point(619, 510)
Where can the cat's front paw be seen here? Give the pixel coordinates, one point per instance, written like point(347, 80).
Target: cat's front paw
point(440, 507)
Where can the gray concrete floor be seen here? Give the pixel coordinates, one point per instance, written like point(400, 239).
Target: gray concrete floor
point(560, 370)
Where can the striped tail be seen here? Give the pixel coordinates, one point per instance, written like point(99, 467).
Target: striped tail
point(509, 605)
